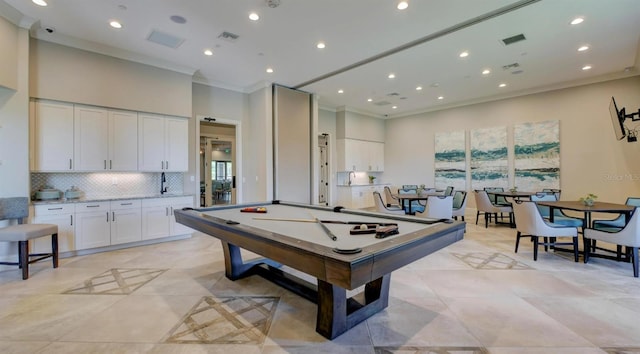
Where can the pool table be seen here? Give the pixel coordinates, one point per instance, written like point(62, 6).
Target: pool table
point(318, 241)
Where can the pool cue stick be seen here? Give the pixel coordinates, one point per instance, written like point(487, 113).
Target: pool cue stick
point(326, 221)
point(326, 230)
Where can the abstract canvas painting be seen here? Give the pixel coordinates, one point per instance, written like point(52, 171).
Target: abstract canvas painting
point(489, 164)
point(450, 160)
point(537, 155)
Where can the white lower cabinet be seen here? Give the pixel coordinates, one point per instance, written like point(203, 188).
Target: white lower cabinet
point(107, 223)
point(358, 197)
point(158, 219)
point(92, 225)
point(58, 214)
point(126, 221)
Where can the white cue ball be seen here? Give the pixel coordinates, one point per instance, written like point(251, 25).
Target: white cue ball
point(363, 227)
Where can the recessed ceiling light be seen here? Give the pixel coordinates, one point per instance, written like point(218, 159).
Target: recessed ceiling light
point(208, 52)
point(392, 76)
point(402, 5)
point(502, 85)
point(254, 16)
point(586, 67)
point(394, 107)
point(583, 48)
point(486, 72)
point(340, 91)
point(441, 97)
point(435, 84)
point(464, 54)
point(115, 24)
point(419, 88)
point(369, 99)
point(577, 20)
point(39, 2)
point(320, 45)
point(269, 70)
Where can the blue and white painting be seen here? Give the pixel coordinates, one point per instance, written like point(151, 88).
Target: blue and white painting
point(537, 155)
point(489, 164)
point(450, 160)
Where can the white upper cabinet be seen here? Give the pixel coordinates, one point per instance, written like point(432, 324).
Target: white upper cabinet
point(123, 141)
point(162, 143)
point(91, 138)
point(53, 136)
point(360, 155)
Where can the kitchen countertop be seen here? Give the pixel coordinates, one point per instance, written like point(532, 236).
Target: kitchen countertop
point(364, 185)
point(107, 198)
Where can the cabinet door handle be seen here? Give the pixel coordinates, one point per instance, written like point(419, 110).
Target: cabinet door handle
point(171, 210)
point(111, 164)
point(167, 164)
point(113, 216)
point(93, 206)
point(54, 208)
point(126, 203)
point(162, 164)
point(166, 211)
point(70, 165)
point(107, 216)
point(71, 219)
point(105, 164)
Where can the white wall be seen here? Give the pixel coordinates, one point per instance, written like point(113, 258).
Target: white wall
point(9, 57)
point(591, 160)
point(68, 74)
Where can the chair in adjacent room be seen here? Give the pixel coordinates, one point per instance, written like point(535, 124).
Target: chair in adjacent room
point(416, 206)
point(529, 223)
point(391, 200)
point(459, 204)
point(18, 209)
point(617, 223)
point(553, 191)
point(410, 186)
point(438, 207)
point(484, 206)
point(381, 208)
point(628, 236)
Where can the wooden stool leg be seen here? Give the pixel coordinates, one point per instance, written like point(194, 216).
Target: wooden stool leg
point(54, 250)
point(24, 258)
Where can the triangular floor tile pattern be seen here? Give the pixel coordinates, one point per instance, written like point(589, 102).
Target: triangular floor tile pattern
point(116, 281)
point(233, 320)
point(490, 261)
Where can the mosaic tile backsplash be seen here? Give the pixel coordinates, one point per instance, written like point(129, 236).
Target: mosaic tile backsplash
point(105, 185)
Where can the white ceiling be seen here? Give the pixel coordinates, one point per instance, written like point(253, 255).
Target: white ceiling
point(355, 31)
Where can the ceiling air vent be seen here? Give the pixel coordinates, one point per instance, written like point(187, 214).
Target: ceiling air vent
point(228, 36)
point(393, 94)
point(510, 66)
point(382, 103)
point(165, 39)
point(514, 39)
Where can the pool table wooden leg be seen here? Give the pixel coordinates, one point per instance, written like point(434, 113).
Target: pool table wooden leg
point(235, 268)
point(337, 314)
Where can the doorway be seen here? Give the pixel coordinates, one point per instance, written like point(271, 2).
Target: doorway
point(218, 163)
point(323, 185)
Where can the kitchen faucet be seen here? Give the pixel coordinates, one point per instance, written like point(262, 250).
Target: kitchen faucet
point(354, 176)
point(163, 179)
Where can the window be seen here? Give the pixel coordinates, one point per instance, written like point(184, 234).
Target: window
point(221, 170)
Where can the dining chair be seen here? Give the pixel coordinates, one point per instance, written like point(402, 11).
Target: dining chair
point(628, 236)
point(484, 206)
point(448, 190)
point(391, 200)
point(558, 216)
point(617, 223)
point(409, 186)
point(438, 207)
point(17, 209)
point(416, 206)
point(381, 208)
point(459, 204)
point(529, 223)
point(553, 191)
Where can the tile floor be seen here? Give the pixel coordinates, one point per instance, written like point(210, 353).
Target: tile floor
point(476, 296)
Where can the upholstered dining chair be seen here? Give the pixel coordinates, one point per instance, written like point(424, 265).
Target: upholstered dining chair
point(529, 223)
point(416, 206)
point(484, 206)
point(448, 190)
point(558, 216)
point(617, 223)
point(459, 204)
point(391, 200)
point(438, 207)
point(629, 237)
point(381, 208)
point(18, 209)
point(553, 191)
